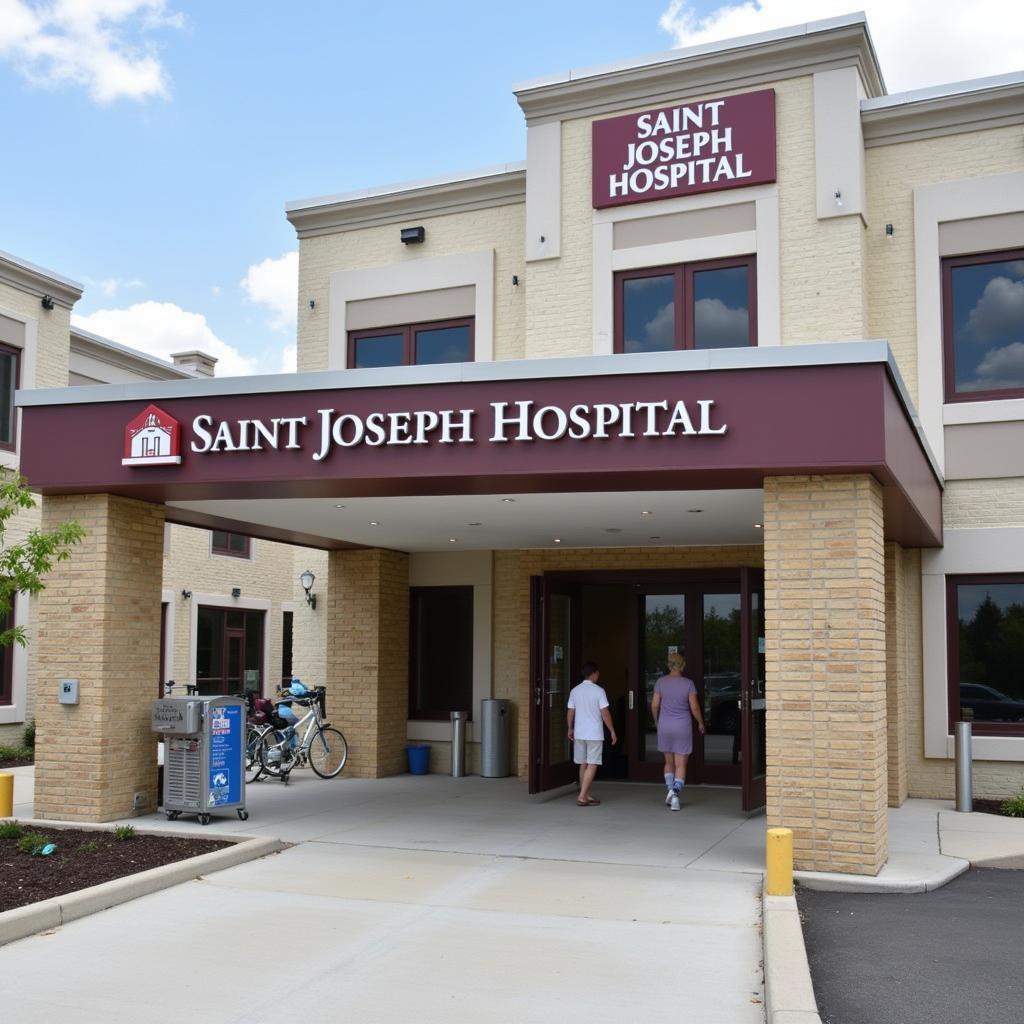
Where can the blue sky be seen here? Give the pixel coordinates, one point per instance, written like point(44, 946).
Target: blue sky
point(158, 141)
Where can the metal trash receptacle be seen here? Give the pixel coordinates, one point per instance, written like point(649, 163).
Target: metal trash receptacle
point(204, 755)
point(494, 736)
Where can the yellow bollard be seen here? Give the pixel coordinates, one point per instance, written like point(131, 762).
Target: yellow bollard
point(6, 795)
point(779, 853)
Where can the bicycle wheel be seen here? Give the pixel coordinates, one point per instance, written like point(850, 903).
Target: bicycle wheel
point(253, 761)
point(273, 755)
point(328, 752)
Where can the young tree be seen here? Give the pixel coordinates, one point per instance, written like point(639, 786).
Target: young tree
point(23, 565)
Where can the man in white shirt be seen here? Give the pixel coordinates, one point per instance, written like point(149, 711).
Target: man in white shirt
point(588, 715)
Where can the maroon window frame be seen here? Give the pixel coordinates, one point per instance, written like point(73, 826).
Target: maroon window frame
point(408, 332)
point(948, 355)
point(7, 661)
point(12, 445)
point(417, 712)
point(218, 547)
point(683, 275)
point(953, 653)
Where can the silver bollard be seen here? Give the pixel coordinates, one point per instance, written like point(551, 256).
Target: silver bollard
point(964, 776)
point(459, 721)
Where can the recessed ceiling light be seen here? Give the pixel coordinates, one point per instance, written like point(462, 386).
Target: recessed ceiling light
point(612, 529)
point(758, 526)
point(452, 540)
point(374, 523)
point(339, 506)
point(655, 537)
point(558, 540)
point(647, 513)
point(508, 501)
point(474, 524)
point(695, 510)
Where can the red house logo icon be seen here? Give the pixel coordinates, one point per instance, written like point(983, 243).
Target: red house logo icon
point(152, 439)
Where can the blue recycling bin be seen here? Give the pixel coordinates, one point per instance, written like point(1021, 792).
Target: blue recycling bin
point(419, 759)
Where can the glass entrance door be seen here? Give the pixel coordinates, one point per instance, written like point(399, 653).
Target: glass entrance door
point(720, 682)
point(556, 671)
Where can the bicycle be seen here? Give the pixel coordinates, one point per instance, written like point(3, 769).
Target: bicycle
point(322, 747)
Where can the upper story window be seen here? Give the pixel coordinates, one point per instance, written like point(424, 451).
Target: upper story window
point(986, 652)
point(235, 544)
point(983, 325)
point(692, 305)
point(437, 341)
point(9, 366)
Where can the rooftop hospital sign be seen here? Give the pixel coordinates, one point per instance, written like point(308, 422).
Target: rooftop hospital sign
point(685, 149)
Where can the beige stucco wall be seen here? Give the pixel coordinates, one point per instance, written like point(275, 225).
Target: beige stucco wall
point(892, 173)
point(52, 335)
point(499, 228)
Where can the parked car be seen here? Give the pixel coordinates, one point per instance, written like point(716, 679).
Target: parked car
point(987, 704)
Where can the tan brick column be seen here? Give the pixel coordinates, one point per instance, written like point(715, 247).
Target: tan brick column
point(368, 657)
point(99, 623)
point(826, 669)
point(898, 579)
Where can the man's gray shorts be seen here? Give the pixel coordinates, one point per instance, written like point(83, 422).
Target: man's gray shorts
point(588, 751)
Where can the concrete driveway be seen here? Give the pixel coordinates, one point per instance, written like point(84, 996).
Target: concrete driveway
point(430, 900)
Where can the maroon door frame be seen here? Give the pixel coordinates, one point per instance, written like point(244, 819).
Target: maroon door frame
point(752, 782)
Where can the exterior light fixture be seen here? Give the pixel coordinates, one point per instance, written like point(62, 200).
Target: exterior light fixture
point(307, 579)
point(47, 302)
point(889, 229)
point(339, 506)
point(453, 540)
point(312, 303)
point(558, 540)
point(758, 526)
point(695, 510)
point(838, 196)
point(412, 236)
point(373, 522)
point(186, 595)
point(236, 592)
point(647, 513)
point(507, 501)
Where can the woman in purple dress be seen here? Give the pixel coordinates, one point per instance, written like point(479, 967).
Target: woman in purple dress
point(674, 707)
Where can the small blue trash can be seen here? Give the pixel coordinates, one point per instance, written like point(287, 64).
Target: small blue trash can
point(419, 759)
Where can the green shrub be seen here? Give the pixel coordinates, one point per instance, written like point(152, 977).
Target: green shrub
point(32, 841)
point(1014, 807)
point(123, 833)
point(89, 847)
point(11, 830)
point(28, 737)
point(10, 753)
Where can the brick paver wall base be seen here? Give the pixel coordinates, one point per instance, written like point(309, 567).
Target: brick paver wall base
point(826, 669)
point(368, 657)
point(99, 623)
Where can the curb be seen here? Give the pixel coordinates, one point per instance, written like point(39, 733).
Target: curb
point(21, 922)
point(788, 992)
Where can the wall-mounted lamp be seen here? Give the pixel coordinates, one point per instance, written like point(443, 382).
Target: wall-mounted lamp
point(889, 230)
point(236, 592)
point(312, 303)
point(838, 196)
point(186, 595)
point(47, 302)
point(515, 280)
point(410, 236)
point(307, 579)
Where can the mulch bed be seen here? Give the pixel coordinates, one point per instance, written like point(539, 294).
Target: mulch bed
point(990, 807)
point(25, 878)
point(15, 762)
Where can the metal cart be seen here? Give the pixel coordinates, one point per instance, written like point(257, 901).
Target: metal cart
point(204, 755)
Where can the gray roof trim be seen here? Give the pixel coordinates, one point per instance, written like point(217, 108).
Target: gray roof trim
point(499, 185)
point(828, 354)
point(950, 109)
point(727, 64)
point(35, 280)
point(128, 354)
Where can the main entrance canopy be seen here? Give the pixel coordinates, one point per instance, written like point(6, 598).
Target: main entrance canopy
point(267, 455)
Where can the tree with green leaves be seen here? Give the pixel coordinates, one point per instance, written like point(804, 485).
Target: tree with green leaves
point(24, 565)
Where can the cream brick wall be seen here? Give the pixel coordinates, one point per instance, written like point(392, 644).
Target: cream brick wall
point(52, 335)
point(99, 622)
point(499, 228)
point(512, 612)
point(974, 504)
point(892, 173)
point(826, 669)
point(309, 627)
point(902, 661)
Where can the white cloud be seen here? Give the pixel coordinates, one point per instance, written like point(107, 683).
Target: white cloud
point(1001, 368)
point(918, 44)
point(162, 328)
point(718, 325)
point(110, 286)
point(289, 359)
point(100, 45)
point(999, 311)
point(275, 284)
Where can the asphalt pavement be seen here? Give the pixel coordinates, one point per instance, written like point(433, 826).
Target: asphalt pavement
point(952, 955)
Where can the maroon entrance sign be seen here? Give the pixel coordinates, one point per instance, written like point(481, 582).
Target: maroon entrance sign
point(616, 432)
point(685, 149)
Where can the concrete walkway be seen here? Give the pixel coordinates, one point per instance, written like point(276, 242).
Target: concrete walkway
point(430, 900)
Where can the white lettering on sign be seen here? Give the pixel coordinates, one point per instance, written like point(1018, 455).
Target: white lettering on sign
point(511, 422)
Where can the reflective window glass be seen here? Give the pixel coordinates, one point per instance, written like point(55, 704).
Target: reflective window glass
point(8, 383)
point(985, 325)
point(443, 345)
point(721, 307)
point(649, 314)
point(380, 350)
